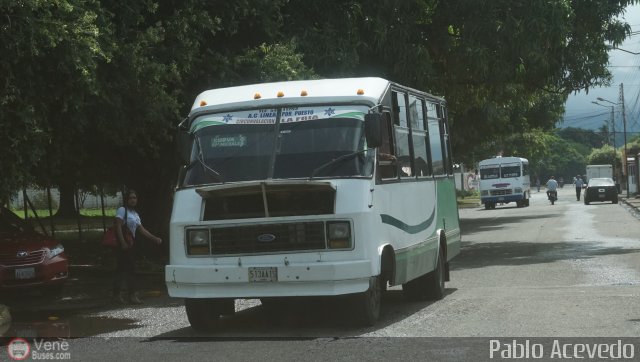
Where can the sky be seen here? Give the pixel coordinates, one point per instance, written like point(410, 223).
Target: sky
point(625, 67)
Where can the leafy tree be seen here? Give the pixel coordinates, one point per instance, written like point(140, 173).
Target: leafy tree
point(54, 48)
point(502, 65)
point(586, 137)
point(605, 155)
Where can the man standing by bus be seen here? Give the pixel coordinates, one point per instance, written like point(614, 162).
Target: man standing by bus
point(579, 184)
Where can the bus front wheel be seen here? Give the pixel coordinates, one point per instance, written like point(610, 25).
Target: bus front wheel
point(204, 313)
point(367, 304)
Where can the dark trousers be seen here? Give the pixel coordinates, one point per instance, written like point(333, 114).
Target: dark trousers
point(578, 191)
point(125, 270)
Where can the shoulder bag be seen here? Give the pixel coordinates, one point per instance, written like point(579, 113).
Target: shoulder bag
point(110, 239)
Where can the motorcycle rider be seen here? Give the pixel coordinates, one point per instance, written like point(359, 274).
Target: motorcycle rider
point(552, 186)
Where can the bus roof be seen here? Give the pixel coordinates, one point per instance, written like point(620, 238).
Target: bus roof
point(501, 160)
point(293, 92)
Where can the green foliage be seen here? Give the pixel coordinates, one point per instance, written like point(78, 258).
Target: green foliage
point(603, 156)
point(92, 91)
point(54, 47)
point(277, 62)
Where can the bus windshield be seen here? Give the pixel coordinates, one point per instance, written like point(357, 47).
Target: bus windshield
point(245, 146)
point(509, 171)
point(490, 172)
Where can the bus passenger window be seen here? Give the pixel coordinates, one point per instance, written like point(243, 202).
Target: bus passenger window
point(386, 155)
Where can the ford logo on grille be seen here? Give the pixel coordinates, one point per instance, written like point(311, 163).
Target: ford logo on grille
point(265, 238)
point(22, 254)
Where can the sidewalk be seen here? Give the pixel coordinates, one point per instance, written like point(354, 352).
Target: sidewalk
point(632, 201)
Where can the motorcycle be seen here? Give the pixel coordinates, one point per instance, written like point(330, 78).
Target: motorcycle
point(552, 196)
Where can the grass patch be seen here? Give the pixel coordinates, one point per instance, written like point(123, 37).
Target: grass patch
point(44, 213)
point(468, 202)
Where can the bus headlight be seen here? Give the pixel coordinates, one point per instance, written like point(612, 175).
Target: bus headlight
point(339, 235)
point(198, 242)
point(518, 190)
point(484, 193)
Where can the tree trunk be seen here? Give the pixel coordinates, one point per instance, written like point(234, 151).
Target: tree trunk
point(67, 203)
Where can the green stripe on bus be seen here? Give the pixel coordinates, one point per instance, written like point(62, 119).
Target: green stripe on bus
point(411, 229)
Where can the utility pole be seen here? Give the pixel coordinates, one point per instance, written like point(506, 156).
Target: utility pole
point(625, 171)
point(615, 155)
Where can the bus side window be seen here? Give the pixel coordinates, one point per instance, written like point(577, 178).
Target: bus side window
point(419, 137)
point(387, 162)
point(435, 139)
point(402, 134)
point(399, 105)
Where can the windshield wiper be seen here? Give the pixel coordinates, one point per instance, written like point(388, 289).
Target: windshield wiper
point(336, 160)
point(200, 160)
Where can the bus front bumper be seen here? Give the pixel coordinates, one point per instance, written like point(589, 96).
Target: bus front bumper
point(225, 281)
point(502, 198)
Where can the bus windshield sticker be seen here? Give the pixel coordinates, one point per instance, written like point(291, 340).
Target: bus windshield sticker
point(289, 115)
point(228, 141)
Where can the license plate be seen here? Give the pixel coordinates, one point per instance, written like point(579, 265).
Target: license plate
point(26, 273)
point(500, 198)
point(266, 274)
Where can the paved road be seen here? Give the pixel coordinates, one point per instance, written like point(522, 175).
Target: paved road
point(549, 271)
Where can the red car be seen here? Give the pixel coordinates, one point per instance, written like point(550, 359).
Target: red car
point(28, 259)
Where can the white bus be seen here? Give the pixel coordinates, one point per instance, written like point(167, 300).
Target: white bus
point(503, 180)
point(312, 188)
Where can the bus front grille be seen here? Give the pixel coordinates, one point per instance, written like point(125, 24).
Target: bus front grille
point(501, 192)
point(268, 238)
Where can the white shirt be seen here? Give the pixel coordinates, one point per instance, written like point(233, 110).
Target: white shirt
point(552, 185)
point(133, 219)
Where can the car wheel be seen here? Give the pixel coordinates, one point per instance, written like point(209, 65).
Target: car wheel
point(586, 202)
point(615, 201)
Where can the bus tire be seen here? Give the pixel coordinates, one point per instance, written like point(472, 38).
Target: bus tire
point(429, 286)
point(434, 282)
point(367, 304)
point(204, 313)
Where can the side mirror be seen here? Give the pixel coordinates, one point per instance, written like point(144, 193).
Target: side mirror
point(373, 123)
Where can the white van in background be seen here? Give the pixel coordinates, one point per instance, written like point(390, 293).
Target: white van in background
point(503, 180)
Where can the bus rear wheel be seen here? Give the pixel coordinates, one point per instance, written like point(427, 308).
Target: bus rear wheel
point(204, 313)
